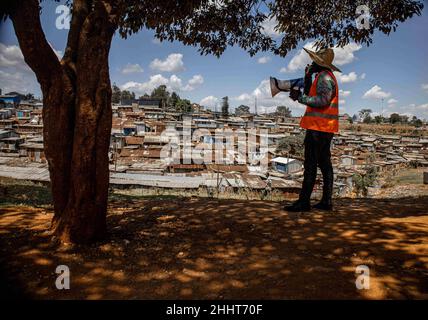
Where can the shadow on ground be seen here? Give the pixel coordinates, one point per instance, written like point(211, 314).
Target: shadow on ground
point(227, 249)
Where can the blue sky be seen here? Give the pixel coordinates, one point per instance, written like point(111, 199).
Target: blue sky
point(393, 68)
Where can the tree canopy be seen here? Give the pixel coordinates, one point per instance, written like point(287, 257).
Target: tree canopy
point(225, 107)
point(283, 111)
point(242, 22)
point(242, 110)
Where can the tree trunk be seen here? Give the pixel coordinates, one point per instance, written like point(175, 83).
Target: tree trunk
point(77, 114)
point(83, 218)
point(81, 192)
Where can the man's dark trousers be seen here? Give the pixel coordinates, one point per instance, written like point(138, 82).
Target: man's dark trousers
point(317, 153)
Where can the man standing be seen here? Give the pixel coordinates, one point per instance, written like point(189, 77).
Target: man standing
point(321, 121)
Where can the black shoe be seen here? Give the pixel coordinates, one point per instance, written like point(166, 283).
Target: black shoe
point(324, 206)
point(298, 207)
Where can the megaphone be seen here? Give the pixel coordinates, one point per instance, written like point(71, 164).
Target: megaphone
point(277, 86)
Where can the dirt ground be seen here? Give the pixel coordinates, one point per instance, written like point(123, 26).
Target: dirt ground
point(228, 249)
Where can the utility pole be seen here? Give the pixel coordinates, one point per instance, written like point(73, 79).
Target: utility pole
point(218, 182)
point(255, 105)
point(115, 156)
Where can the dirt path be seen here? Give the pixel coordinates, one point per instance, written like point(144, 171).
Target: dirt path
point(209, 249)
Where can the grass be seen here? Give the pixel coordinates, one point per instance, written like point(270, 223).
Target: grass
point(121, 197)
point(19, 192)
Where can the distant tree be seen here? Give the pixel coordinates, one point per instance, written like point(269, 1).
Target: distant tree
point(174, 99)
point(404, 119)
point(29, 96)
point(183, 105)
point(394, 118)
point(378, 119)
point(162, 93)
point(283, 111)
point(365, 114)
point(144, 96)
point(293, 146)
point(127, 95)
point(116, 94)
point(418, 123)
point(354, 118)
point(368, 119)
point(362, 182)
point(77, 90)
point(242, 109)
point(225, 107)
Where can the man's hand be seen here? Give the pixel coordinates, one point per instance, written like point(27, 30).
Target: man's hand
point(295, 94)
point(310, 69)
point(307, 70)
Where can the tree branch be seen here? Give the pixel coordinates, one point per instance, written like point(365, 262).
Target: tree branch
point(37, 52)
point(81, 9)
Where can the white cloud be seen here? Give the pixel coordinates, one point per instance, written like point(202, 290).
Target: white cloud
point(265, 102)
point(422, 106)
point(244, 97)
point(346, 78)
point(346, 54)
point(424, 86)
point(264, 60)
point(192, 84)
point(132, 68)
point(196, 80)
point(268, 27)
point(209, 102)
point(19, 81)
point(376, 93)
point(420, 110)
point(344, 93)
point(173, 83)
point(363, 76)
point(173, 63)
point(146, 87)
point(343, 56)
point(342, 101)
point(299, 60)
point(11, 56)
point(15, 74)
point(392, 102)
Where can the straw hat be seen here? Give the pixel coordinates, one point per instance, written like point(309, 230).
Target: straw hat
point(324, 58)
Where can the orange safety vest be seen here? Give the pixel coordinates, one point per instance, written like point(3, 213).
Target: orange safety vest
point(322, 119)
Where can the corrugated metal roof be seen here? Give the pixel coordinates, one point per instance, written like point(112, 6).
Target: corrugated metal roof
point(162, 181)
point(254, 182)
point(234, 180)
point(283, 160)
point(157, 181)
point(25, 173)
